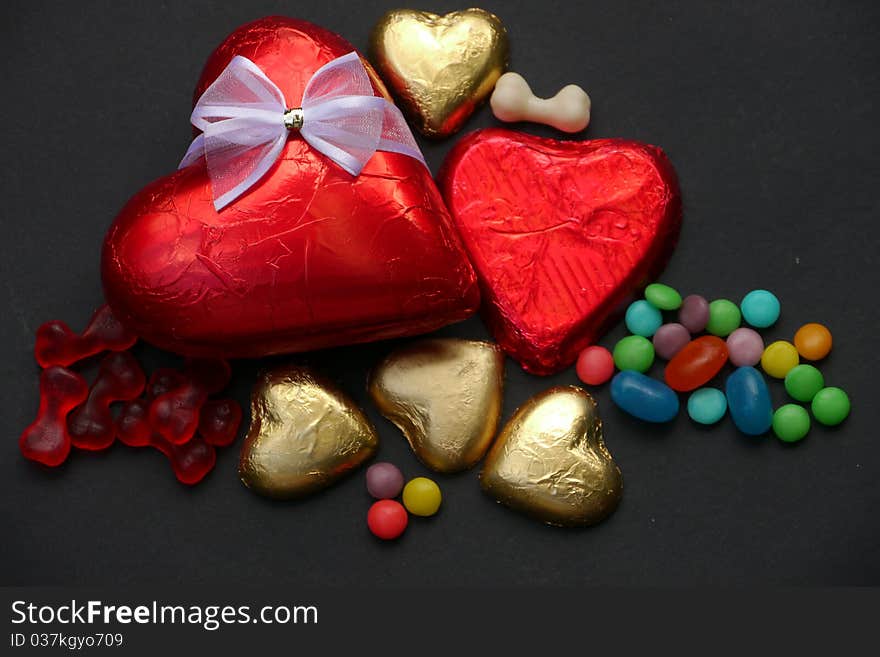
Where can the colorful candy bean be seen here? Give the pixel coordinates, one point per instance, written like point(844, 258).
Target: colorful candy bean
point(696, 363)
point(694, 313)
point(642, 318)
point(744, 347)
point(422, 497)
point(779, 358)
point(384, 481)
point(669, 340)
point(634, 352)
point(803, 382)
point(387, 519)
point(791, 423)
point(830, 406)
point(707, 405)
point(644, 397)
point(595, 365)
point(724, 317)
point(748, 400)
point(813, 341)
point(663, 297)
point(760, 308)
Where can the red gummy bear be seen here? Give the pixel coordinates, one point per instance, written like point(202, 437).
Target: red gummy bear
point(120, 378)
point(47, 440)
point(174, 415)
point(164, 379)
point(219, 420)
point(190, 462)
point(57, 344)
point(133, 425)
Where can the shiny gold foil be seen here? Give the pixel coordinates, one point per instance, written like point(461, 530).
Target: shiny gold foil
point(445, 395)
point(439, 68)
point(304, 434)
point(550, 461)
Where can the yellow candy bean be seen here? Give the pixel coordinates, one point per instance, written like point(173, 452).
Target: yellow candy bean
point(421, 497)
point(778, 358)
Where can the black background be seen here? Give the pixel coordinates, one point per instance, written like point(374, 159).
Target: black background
point(768, 110)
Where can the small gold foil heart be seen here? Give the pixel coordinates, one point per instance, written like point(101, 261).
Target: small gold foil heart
point(439, 67)
point(550, 461)
point(445, 395)
point(304, 434)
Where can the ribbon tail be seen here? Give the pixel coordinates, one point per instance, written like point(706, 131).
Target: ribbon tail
point(238, 153)
point(194, 153)
point(225, 187)
point(346, 159)
point(396, 136)
point(404, 149)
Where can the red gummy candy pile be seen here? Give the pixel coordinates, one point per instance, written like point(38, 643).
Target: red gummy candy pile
point(172, 412)
point(56, 344)
point(120, 378)
point(46, 440)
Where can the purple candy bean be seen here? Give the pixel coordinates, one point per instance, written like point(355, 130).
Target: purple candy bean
point(384, 481)
point(694, 313)
point(744, 347)
point(669, 339)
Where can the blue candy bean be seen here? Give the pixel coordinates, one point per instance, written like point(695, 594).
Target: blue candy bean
point(760, 308)
point(643, 397)
point(643, 319)
point(707, 405)
point(748, 400)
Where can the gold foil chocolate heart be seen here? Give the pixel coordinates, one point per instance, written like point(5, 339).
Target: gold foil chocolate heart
point(304, 434)
point(550, 461)
point(439, 67)
point(445, 395)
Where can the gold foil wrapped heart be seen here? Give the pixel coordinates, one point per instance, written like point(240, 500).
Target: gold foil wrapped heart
point(304, 434)
point(439, 67)
point(445, 395)
point(550, 461)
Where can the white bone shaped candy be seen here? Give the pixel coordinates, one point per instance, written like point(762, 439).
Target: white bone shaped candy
point(513, 100)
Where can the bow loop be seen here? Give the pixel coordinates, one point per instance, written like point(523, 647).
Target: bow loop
point(242, 116)
point(344, 76)
point(241, 90)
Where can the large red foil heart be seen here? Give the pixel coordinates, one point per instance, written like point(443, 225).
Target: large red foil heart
point(561, 234)
point(310, 257)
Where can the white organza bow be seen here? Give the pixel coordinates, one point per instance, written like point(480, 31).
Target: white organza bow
point(245, 122)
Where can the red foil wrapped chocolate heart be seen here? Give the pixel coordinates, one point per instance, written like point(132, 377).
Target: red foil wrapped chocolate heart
point(309, 257)
point(561, 234)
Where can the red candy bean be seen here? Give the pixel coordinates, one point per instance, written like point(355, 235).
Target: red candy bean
point(120, 378)
point(696, 363)
point(595, 365)
point(47, 440)
point(57, 344)
point(219, 420)
point(190, 462)
point(387, 519)
point(174, 415)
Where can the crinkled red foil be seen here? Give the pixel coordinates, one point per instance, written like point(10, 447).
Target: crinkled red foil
point(561, 234)
point(310, 257)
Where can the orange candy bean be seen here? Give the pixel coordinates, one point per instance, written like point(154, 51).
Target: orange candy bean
point(696, 363)
point(813, 341)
